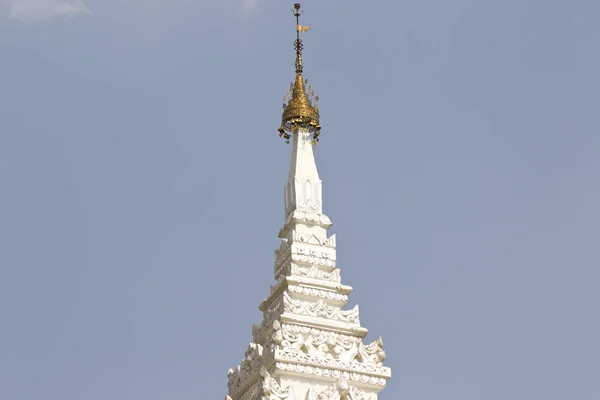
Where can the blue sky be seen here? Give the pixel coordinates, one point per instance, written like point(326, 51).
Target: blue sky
point(141, 184)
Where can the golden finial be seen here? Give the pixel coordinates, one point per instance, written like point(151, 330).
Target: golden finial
point(299, 111)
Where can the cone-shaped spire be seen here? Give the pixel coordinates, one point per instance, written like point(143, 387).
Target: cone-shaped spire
point(301, 109)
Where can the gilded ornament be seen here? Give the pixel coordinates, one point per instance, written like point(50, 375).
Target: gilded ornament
point(299, 112)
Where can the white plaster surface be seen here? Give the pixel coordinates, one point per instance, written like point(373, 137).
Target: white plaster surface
point(308, 347)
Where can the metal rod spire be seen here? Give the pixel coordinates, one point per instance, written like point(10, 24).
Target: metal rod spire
point(298, 44)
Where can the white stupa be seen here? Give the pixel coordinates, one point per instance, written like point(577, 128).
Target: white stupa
point(307, 346)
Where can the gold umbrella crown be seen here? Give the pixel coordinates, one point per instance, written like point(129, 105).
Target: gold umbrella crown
point(300, 104)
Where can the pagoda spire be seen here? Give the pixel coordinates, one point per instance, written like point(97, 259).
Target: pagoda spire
point(300, 119)
point(307, 347)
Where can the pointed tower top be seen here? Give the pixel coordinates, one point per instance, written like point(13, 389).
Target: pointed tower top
point(300, 108)
point(308, 346)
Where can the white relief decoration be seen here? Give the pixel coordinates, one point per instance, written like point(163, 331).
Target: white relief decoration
point(317, 361)
point(303, 195)
point(308, 238)
point(310, 395)
point(326, 294)
point(250, 364)
point(341, 390)
point(320, 309)
point(269, 315)
point(308, 217)
point(316, 273)
point(306, 256)
point(323, 255)
point(343, 347)
point(277, 334)
point(307, 192)
point(372, 353)
point(270, 388)
point(313, 342)
point(332, 372)
point(317, 252)
point(331, 242)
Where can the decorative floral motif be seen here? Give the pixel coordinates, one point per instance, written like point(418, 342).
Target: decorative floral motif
point(325, 294)
point(341, 390)
point(313, 256)
point(312, 342)
point(270, 388)
point(326, 344)
point(372, 353)
point(338, 364)
point(320, 309)
point(316, 273)
point(335, 373)
point(253, 359)
point(303, 194)
point(308, 217)
point(320, 348)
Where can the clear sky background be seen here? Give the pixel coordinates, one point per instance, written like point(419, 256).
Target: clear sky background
point(141, 190)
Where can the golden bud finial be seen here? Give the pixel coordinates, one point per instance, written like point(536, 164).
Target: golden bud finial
point(302, 110)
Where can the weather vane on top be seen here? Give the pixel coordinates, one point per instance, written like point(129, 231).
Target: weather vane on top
point(298, 108)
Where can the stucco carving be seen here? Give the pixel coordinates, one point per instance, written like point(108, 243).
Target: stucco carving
point(310, 395)
point(322, 254)
point(314, 360)
point(313, 342)
point(296, 237)
point(318, 256)
point(303, 194)
point(341, 390)
point(308, 217)
point(315, 272)
point(334, 372)
point(253, 360)
point(326, 344)
point(320, 309)
point(270, 388)
point(325, 294)
point(274, 310)
point(307, 238)
point(372, 353)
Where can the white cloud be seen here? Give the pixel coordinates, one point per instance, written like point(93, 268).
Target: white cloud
point(250, 5)
point(31, 11)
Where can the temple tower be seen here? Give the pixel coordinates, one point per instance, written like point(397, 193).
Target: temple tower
point(308, 347)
